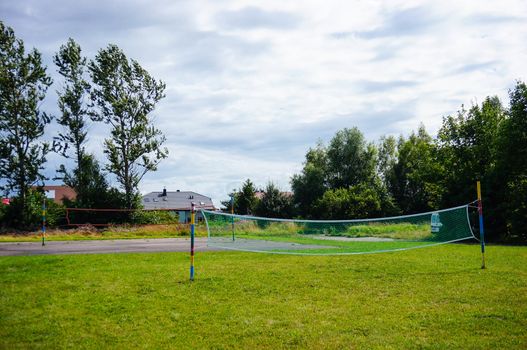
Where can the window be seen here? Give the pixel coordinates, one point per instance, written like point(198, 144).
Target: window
point(147, 199)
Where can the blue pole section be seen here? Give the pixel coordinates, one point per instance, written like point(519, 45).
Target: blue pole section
point(232, 217)
point(43, 220)
point(192, 220)
point(481, 229)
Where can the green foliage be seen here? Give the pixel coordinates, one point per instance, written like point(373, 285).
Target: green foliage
point(402, 231)
point(10, 214)
point(467, 148)
point(125, 95)
point(94, 191)
point(360, 201)
point(311, 184)
point(145, 217)
point(274, 203)
point(245, 201)
point(512, 164)
point(413, 178)
point(23, 86)
point(71, 100)
point(72, 67)
point(344, 172)
point(351, 160)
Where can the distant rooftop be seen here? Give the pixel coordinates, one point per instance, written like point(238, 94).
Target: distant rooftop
point(176, 200)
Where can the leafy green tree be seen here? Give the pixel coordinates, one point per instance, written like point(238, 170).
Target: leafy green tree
point(125, 95)
point(96, 191)
point(274, 203)
point(311, 184)
point(512, 164)
point(228, 204)
point(74, 116)
point(23, 85)
point(356, 202)
point(467, 149)
point(246, 201)
point(33, 205)
point(351, 160)
point(387, 157)
point(414, 178)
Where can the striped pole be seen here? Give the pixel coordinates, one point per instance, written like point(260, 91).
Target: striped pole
point(192, 220)
point(43, 221)
point(232, 217)
point(481, 230)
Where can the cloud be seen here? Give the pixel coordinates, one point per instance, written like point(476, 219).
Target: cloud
point(491, 19)
point(368, 86)
point(250, 89)
point(406, 22)
point(251, 17)
point(473, 67)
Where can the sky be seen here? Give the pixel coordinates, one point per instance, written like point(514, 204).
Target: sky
point(252, 85)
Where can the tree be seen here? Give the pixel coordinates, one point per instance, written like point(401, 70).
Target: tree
point(311, 184)
point(414, 178)
point(96, 191)
point(125, 94)
point(23, 85)
point(512, 163)
point(467, 149)
point(356, 202)
point(245, 200)
point(72, 67)
point(274, 204)
point(351, 160)
point(387, 157)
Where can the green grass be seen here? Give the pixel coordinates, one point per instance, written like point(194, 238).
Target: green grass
point(340, 247)
point(436, 298)
point(112, 232)
point(403, 230)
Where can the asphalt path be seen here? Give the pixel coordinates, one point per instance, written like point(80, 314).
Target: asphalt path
point(104, 246)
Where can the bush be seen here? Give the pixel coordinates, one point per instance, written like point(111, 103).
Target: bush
point(11, 218)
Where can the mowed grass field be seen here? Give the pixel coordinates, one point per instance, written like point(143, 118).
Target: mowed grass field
point(435, 297)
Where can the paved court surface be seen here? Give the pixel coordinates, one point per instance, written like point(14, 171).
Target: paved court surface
point(103, 246)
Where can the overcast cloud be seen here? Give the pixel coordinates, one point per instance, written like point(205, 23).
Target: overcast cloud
point(252, 85)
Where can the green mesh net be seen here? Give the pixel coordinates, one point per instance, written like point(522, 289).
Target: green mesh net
point(333, 237)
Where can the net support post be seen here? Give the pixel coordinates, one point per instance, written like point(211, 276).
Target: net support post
point(232, 217)
point(44, 221)
point(481, 228)
point(192, 228)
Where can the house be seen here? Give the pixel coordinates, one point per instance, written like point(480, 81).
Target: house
point(59, 193)
point(178, 201)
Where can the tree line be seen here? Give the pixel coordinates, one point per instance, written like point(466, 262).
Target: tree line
point(110, 89)
point(351, 177)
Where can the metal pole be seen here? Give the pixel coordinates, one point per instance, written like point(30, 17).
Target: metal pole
point(44, 220)
point(481, 230)
point(232, 217)
point(192, 224)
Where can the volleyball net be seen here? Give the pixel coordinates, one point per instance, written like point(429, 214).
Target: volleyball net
point(339, 237)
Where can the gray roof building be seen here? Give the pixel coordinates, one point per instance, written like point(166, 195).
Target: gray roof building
point(178, 200)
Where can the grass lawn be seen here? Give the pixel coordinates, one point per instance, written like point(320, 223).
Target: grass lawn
point(112, 232)
point(426, 298)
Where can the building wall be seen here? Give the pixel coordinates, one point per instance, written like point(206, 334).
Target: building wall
point(57, 193)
